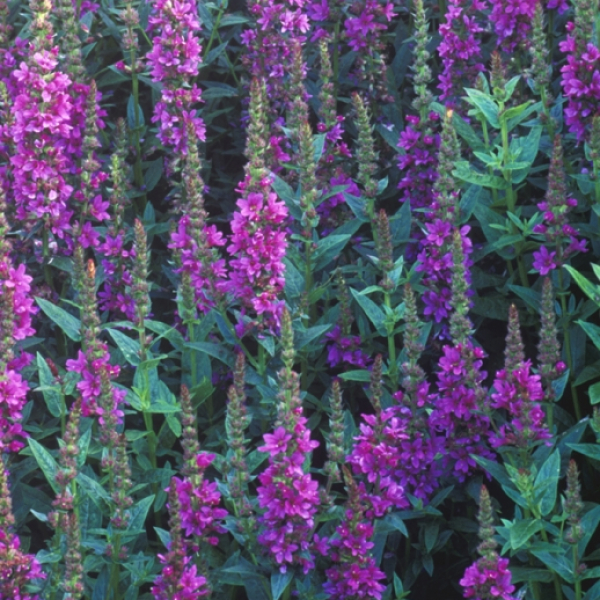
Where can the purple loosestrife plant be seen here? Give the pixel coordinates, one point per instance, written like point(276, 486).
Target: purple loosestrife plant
point(288, 495)
point(519, 392)
point(354, 573)
point(488, 578)
point(461, 411)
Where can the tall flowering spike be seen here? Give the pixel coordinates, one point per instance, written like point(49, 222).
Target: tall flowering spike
point(435, 257)
point(384, 247)
point(194, 242)
point(18, 570)
point(581, 74)
point(69, 42)
point(139, 288)
point(328, 102)
point(420, 139)
point(16, 311)
point(179, 578)
point(41, 27)
point(64, 501)
point(73, 582)
point(365, 152)
point(335, 442)
point(540, 70)
point(558, 234)
point(121, 496)
point(460, 49)
point(174, 61)
point(189, 442)
point(98, 395)
point(287, 493)
point(354, 573)
point(461, 405)
point(550, 365)
point(572, 505)
point(375, 387)
point(461, 327)
point(237, 421)
point(488, 578)
point(514, 353)
point(258, 240)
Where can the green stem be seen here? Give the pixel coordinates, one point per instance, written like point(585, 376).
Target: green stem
point(596, 172)
point(576, 573)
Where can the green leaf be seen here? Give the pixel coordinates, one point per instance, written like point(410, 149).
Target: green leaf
point(594, 592)
point(92, 488)
point(513, 119)
point(303, 337)
point(153, 174)
point(128, 346)
point(280, 581)
point(294, 281)
point(45, 461)
point(558, 564)
point(50, 391)
point(497, 471)
point(357, 205)
point(138, 514)
point(594, 392)
point(373, 312)
point(214, 350)
point(214, 54)
point(465, 172)
point(431, 536)
point(546, 483)
point(528, 151)
point(400, 224)
point(356, 375)
point(587, 287)
point(522, 531)
point(529, 296)
point(318, 146)
point(593, 332)
point(589, 450)
point(67, 322)
point(485, 104)
point(328, 248)
point(397, 523)
point(468, 202)
point(132, 123)
point(589, 523)
point(101, 585)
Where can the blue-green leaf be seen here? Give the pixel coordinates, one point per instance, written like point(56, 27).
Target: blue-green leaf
point(67, 322)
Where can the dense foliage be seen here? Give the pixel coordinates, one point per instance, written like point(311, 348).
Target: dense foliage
point(297, 299)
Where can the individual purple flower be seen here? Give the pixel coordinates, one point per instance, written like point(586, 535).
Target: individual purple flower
point(345, 350)
point(544, 261)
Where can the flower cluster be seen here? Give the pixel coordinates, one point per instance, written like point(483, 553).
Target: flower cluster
point(174, 60)
point(198, 500)
point(581, 73)
point(460, 48)
point(258, 243)
point(512, 21)
point(354, 573)
point(179, 580)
